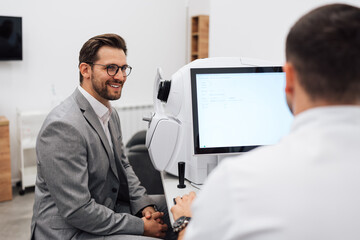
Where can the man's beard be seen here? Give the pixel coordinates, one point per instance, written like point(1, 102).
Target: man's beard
point(103, 91)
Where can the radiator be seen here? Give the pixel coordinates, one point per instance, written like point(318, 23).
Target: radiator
point(131, 119)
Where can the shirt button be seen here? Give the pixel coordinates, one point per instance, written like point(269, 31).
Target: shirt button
point(114, 190)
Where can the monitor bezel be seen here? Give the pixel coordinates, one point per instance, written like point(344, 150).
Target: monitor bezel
point(195, 119)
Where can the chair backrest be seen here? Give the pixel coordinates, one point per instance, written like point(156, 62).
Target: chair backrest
point(140, 161)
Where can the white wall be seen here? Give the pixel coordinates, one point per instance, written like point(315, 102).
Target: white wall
point(53, 33)
point(255, 28)
point(157, 33)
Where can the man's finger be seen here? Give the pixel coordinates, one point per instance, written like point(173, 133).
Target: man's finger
point(148, 214)
point(164, 227)
point(177, 199)
point(162, 235)
point(192, 194)
point(156, 215)
point(159, 220)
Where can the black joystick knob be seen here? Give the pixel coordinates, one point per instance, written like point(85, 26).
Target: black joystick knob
point(181, 169)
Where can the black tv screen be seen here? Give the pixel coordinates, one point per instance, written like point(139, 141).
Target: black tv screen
point(10, 38)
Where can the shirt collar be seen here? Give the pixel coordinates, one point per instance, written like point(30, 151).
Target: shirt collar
point(100, 109)
point(324, 116)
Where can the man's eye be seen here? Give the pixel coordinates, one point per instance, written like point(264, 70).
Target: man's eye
point(112, 67)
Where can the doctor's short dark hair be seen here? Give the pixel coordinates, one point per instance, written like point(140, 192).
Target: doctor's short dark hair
point(324, 48)
point(89, 50)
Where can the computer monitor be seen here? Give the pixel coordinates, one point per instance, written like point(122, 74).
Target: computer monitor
point(237, 109)
point(214, 107)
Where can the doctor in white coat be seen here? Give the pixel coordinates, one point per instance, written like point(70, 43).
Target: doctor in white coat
point(307, 186)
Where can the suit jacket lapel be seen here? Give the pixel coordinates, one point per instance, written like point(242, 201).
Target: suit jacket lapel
point(93, 120)
point(114, 137)
point(124, 193)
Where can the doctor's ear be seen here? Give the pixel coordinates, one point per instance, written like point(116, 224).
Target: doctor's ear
point(289, 70)
point(85, 70)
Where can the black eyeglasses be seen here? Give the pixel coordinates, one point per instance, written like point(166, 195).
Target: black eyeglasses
point(113, 69)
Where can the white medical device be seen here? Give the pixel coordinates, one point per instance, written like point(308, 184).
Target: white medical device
point(214, 107)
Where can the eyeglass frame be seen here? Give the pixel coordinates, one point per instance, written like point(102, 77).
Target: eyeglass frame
point(117, 70)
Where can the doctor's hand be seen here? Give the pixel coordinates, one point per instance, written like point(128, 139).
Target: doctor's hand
point(183, 206)
point(154, 226)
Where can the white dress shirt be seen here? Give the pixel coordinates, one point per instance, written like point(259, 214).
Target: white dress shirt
point(101, 111)
point(305, 187)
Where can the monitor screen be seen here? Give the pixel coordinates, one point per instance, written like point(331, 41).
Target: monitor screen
point(238, 109)
point(10, 38)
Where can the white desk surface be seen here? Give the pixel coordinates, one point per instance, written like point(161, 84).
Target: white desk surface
point(171, 190)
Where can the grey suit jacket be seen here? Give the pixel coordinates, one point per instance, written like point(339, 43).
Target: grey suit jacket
point(79, 176)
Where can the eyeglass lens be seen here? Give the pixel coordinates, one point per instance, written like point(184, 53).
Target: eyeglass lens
point(113, 70)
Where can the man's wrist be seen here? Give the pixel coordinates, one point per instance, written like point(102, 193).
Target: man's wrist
point(181, 234)
point(155, 207)
point(140, 212)
point(152, 205)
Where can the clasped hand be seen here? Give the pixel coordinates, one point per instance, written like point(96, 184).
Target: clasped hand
point(154, 225)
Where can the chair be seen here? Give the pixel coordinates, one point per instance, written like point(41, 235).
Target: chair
point(140, 161)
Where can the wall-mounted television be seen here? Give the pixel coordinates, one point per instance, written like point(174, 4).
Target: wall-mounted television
point(10, 38)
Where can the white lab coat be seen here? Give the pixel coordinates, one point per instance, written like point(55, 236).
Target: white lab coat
point(305, 187)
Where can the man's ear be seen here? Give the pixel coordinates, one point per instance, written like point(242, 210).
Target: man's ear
point(85, 70)
point(288, 68)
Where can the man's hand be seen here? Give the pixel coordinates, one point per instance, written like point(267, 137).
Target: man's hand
point(183, 206)
point(148, 211)
point(153, 226)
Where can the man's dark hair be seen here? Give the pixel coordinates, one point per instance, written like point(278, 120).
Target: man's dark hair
point(89, 50)
point(324, 48)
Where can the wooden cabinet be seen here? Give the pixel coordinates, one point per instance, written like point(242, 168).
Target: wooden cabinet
point(5, 163)
point(199, 37)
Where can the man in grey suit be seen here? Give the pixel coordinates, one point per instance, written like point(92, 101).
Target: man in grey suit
point(85, 186)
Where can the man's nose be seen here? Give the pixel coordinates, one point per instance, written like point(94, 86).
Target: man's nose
point(119, 75)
